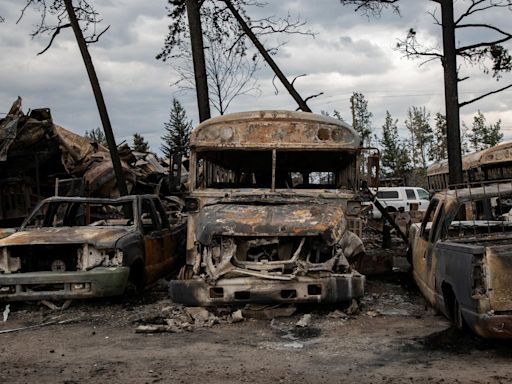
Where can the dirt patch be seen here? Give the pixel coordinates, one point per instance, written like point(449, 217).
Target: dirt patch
point(392, 339)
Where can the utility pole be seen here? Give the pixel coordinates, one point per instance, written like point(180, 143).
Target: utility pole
point(247, 30)
point(451, 93)
point(196, 41)
point(100, 102)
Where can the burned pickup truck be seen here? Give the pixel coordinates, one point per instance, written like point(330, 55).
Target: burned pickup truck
point(73, 247)
point(271, 200)
point(462, 257)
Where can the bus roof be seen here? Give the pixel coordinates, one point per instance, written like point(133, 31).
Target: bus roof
point(274, 129)
point(500, 153)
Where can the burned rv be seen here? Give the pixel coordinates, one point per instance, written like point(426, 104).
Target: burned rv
point(270, 207)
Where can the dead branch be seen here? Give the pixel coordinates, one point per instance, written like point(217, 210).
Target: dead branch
point(507, 37)
point(296, 77)
point(313, 96)
point(54, 18)
point(473, 8)
point(484, 95)
point(56, 31)
point(373, 7)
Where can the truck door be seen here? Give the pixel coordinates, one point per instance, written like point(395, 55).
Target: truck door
point(424, 249)
point(155, 239)
point(168, 235)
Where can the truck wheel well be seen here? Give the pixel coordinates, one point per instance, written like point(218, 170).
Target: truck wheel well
point(452, 306)
point(449, 298)
point(137, 278)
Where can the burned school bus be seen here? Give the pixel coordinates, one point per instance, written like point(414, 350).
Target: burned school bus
point(271, 201)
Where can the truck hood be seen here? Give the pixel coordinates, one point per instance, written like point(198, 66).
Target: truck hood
point(298, 219)
point(99, 237)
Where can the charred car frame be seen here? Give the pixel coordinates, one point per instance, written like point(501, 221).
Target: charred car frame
point(72, 247)
point(462, 257)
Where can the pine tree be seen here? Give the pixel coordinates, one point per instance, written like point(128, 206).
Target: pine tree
point(139, 144)
point(439, 151)
point(483, 136)
point(418, 124)
point(177, 136)
point(361, 118)
point(395, 160)
point(96, 136)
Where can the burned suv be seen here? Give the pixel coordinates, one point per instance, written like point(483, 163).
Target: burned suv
point(270, 205)
point(73, 247)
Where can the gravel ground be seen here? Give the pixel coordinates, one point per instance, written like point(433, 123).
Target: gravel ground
point(390, 338)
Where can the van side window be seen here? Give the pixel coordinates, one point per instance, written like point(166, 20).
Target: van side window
point(423, 195)
point(387, 195)
point(427, 219)
point(410, 194)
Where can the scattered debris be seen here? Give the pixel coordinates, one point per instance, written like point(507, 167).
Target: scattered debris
point(197, 314)
point(55, 307)
point(51, 322)
point(337, 314)
point(154, 329)
point(237, 316)
point(268, 312)
point(6, 312)
point(372, 313)
point(305, 321)
point(353, 309)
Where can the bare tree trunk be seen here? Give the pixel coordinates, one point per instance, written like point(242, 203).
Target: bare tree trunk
point(302, 104)
point(451, 93)
point(196, 40)
point(100, 102)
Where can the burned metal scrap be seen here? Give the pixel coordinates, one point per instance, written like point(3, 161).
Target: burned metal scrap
point(36, 155)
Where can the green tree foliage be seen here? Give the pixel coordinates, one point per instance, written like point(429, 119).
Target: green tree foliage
point(177, 136)
point(439, 150)
point(421, 135)
point(483, 136)
point(336, 114)
point(362, 118)
point(96, 136)
point(139, 144)
point(395, 159)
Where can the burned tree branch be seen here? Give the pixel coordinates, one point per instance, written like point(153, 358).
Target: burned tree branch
point(475, 3)
point(54, 35)
point(484, 95)
point(54, 18)
point(373, 7)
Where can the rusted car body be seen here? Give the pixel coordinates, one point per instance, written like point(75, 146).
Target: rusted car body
point(271, 200)
point(72, 247)
point(462, 257)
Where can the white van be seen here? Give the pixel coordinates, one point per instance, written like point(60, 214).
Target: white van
point(393, 198)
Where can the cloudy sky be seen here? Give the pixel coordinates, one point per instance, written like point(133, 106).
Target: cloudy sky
point(349, 53)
